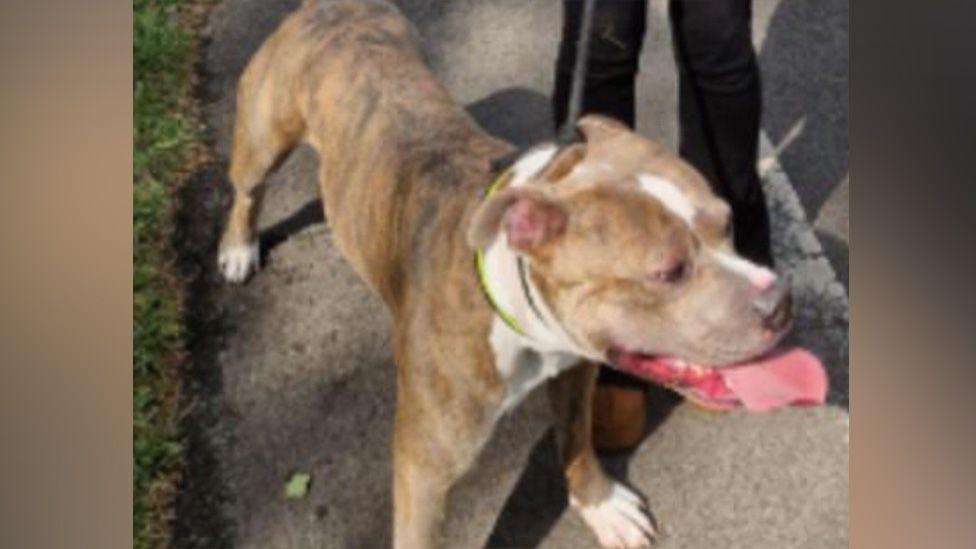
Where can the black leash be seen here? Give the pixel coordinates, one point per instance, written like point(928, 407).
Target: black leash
point(568, 133)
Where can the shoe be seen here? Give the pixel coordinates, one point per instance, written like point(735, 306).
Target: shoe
point(619, 417)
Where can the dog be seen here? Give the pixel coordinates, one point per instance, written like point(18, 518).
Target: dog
point(606, 250)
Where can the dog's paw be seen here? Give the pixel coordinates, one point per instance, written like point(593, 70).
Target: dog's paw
point(620, 520)
point(238, 261)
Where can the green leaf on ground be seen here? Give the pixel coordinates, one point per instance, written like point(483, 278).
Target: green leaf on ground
point(297, 485)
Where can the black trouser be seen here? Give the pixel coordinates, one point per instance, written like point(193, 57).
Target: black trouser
point(718, 93)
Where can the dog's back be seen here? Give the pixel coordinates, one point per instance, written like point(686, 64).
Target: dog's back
point(349, 78)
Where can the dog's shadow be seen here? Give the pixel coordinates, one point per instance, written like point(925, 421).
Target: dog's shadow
point(311, 213)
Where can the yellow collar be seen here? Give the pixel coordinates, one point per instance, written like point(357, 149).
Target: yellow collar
point(479, 265)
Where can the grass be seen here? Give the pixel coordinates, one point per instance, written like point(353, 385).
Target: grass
point(162, 136)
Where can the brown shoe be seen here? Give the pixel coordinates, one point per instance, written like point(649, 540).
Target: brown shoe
point(619, 417)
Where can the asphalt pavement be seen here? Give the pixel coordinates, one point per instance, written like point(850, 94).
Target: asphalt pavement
point(293, 371)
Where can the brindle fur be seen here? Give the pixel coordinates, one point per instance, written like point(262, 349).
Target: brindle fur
point(403, 169)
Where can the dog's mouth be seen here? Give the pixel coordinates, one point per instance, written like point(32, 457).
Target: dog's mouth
point(775, 379)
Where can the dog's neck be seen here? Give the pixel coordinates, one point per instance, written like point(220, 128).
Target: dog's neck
point(540, 348)
point(536, 326)
point(507, 279)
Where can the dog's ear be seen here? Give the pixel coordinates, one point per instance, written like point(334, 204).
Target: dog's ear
point(529, 218)
point(564, 162)
point(596, 128)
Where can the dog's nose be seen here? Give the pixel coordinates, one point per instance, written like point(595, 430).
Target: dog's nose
point(775, 304)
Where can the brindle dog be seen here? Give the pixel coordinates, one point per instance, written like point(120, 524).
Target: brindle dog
point(604, 250)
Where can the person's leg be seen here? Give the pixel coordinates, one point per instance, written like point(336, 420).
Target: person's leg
point(719, 107)
point(615, 44)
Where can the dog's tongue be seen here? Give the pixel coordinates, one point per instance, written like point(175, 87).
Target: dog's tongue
point(791, 377)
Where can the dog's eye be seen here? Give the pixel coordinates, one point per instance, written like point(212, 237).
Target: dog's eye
point(671, 274)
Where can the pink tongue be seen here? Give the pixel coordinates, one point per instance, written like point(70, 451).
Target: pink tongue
point(792, 377)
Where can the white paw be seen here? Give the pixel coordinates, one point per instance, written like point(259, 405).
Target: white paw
point(238, 261)
point(620, 520)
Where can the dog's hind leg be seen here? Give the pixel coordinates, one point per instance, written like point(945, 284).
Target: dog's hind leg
point(266, 129)
point(616, 515)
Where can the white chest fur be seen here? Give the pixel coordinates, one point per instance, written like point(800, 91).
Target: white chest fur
point(522, 366)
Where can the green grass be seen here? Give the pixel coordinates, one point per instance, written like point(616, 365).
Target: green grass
point(161, 64)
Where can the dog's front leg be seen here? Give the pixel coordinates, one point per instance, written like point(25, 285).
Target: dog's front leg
point(435, 441)
point(616, 515)
point(419, 496)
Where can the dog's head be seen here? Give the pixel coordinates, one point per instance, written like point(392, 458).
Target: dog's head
point(632, 252)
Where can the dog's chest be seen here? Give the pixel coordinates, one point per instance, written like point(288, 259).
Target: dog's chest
point(522, 367)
